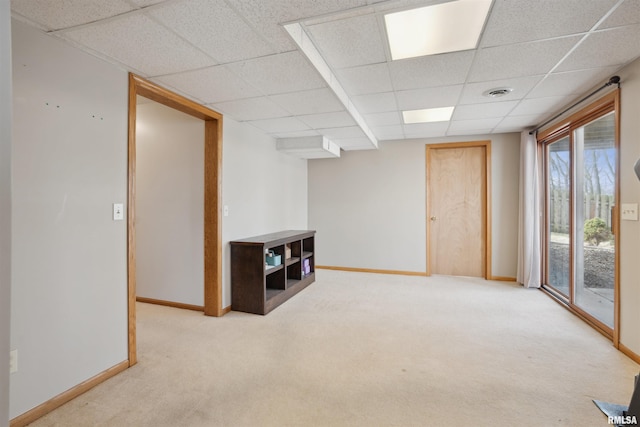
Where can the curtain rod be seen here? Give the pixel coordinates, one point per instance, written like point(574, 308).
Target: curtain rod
point(615, 80)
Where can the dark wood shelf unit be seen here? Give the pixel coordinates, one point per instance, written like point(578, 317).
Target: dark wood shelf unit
point(258, 288)
point(292, 260)
point(273, 269)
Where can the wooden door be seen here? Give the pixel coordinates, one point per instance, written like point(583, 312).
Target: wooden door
point(457, 210)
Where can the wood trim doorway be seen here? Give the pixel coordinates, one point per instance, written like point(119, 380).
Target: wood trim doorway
point(212, 198)
point(486, 198)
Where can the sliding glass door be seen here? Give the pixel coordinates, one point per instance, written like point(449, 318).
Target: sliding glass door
point(595, 176)
point(581, 188)
point(559, 223)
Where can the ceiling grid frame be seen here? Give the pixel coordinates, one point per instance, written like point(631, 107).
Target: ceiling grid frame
point(579, 66)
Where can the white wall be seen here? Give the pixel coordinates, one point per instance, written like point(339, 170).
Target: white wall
point(265, 190)
point(630, 193)
point(369, 207)
point(69, 266)
point(169, 205)
point(5, 206)
point(69, 278)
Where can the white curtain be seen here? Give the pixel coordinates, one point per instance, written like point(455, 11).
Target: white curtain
point(529, 252)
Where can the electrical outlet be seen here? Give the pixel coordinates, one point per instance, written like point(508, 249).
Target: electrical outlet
point(629, 211)
point(13, 361)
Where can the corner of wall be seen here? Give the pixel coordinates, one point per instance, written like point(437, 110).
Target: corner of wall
point(5, 207)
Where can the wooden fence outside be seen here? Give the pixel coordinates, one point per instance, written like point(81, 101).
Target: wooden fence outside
point(594, 206)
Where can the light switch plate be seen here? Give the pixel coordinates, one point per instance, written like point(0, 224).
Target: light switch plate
point(225, 210)
point(629, 211)
point(118, 211)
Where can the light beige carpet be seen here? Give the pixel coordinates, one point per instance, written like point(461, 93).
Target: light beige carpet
point(357, 349)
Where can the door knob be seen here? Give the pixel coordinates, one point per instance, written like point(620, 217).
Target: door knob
point(433, 218)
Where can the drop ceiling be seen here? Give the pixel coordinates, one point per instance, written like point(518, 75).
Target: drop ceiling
point(322, 68)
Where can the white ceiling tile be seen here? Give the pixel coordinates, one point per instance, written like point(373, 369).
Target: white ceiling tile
point(296, 134)
point(539, 106)
point(181, 43)
point(384, 133)
point(433, 97)
point(282, 73)
point(510, 21)
point(519, 60)
point(483, 111)
point(309, 102)
point(250, 109)
point(473, 92)
point(598, 49)
point(211, 85)
point(571, 82)
point(141, 43)
point(429, 71)
point(522, 122)
point(215, 28)
point(474, 125)
point(267, 17)
point(626, 14)
point(385, 6)
point(366, 79)
point(145, 3)
point(280, 11)
point(328, 120)
point(349, 42)
point(280, 125)
point(344, 13)
point(55, 15)
point(375, 103)
point(383, 119)
point(425, 130)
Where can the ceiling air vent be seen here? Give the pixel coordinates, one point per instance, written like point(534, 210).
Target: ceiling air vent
point(498, 92)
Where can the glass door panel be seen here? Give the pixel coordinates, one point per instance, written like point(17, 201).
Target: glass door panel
point(595, 175)
point(559, 214)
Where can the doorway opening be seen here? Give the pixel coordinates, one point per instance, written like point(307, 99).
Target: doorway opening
point(169, 207)
point(212, 198)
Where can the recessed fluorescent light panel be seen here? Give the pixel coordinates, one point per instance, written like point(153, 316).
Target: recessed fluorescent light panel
point(446, 27)
point(428, 115)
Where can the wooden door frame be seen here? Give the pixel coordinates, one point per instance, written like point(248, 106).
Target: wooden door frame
point(487, 197)
point(212, 198)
